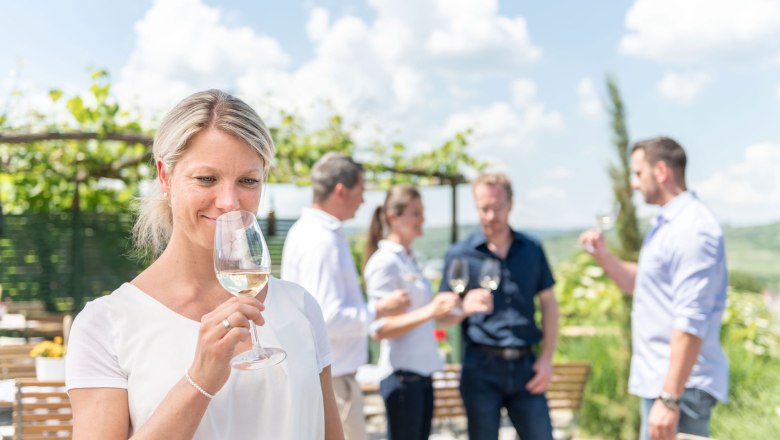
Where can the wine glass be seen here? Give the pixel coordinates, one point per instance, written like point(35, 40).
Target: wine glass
point(604, 222)
point(490, 274)
point(458, 277)
point(243, 265)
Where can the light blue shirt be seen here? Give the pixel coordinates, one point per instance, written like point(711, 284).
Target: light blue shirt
point(388, 269)
point(681, 284)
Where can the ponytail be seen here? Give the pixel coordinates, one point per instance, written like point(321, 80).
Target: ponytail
point(376, 231)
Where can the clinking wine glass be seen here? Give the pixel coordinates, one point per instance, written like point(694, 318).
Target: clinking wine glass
point(490, 274)
point(458, 276)
point(243, 265)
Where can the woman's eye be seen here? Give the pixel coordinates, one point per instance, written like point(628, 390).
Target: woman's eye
point(250, 182)
point(206, 179)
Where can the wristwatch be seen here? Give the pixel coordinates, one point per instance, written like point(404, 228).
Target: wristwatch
point(669, 400)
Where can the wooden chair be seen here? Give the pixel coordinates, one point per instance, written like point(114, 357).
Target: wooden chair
point(42, 411)
point(15, 361)
point(564, 397)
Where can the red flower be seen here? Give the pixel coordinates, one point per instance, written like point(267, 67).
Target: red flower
point(440, 334)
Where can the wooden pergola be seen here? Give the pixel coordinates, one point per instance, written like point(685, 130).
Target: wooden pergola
point(451, 180)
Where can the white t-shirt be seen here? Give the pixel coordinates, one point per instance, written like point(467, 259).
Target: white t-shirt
point(316, 255)
point(130, 340)
point(388, 269)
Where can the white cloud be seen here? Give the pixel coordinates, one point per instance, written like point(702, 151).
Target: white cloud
point(746, 191)
point(777, 92)
point(317, 26)
point(200, 52)
point(502, 130)
point(589, 102)
point(702, 30)
point(375, 72)
point(683, 87)
point(523, 92)
point(473, 31)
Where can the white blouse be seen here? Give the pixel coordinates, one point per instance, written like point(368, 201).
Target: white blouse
point(388, 269)
point(130, 340)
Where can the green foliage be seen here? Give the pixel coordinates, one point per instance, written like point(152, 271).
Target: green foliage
point(585, 293)
point(58, 175)
point(626, 224)
point(298, 148)
point(745, 282)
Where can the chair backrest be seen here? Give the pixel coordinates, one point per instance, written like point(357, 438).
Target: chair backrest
point(42, 410)
point(568, 385)
point(15, 361)
point(565, 392)
point(446, 393)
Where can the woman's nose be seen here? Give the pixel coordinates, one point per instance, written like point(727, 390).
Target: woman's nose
point(227, 198)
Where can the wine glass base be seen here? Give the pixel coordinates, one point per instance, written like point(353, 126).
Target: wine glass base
point(249, 361)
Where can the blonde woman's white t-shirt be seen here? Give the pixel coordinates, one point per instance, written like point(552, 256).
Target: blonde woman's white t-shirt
point(130, 340)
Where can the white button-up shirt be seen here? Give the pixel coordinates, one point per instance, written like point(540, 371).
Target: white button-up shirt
point(388, 269)
point(317, 256)
point(681, 284)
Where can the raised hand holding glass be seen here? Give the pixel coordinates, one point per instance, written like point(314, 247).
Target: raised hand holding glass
point(243, 265)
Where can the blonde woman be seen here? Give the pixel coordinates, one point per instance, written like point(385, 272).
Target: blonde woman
point(152, 359)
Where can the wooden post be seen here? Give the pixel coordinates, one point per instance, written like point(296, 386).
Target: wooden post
point(454, 216)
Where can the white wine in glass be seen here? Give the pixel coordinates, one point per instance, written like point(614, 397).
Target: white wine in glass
point(243, 265)
point(490, 274)
point(458, 276)
point(605, 222)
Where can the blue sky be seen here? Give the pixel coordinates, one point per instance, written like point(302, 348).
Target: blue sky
point(527, 77)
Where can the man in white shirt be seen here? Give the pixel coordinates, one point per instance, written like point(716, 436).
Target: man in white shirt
point(317, 256)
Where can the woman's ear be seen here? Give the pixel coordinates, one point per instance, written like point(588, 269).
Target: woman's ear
point(162, 176)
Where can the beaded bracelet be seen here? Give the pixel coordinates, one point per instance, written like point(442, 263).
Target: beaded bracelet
point(197, 387)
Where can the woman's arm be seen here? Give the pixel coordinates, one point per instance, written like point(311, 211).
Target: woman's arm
point(103, 413)
point(333, 429)
point(396, 326)
point(100, 413)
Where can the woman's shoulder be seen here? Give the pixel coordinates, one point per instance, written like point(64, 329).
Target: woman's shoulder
point(382, 259)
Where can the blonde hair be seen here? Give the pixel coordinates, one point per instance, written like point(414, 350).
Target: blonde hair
point(494, 179)
point(195, 113)
point(398, 198)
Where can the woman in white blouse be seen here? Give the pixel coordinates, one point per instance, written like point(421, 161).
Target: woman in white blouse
point(408, 353)
point(152, 359)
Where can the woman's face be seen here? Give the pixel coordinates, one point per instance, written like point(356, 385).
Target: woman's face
point(408, 225)
point(217, 173)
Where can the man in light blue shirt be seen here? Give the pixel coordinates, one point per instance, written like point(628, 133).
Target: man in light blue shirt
point(679, 285)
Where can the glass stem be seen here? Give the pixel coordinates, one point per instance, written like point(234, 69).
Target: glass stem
point(257, 349)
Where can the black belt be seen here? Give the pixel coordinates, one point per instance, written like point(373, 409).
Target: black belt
point(508, 353)
point(408, 376)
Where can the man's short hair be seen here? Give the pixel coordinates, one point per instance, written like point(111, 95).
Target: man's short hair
point(666, 150)
point(494, 179)
point(332, 169)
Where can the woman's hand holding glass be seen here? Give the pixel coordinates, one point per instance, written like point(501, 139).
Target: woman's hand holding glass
point(243, 265)
point(443, 305)
point(217, 342)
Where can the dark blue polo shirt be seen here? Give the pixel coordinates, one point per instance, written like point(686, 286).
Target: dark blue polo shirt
point(524, 273)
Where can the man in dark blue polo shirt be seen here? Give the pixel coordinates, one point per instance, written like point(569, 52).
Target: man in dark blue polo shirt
point(501, 366)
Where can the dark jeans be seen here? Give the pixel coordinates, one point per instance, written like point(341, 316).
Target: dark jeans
point(695, 412)
point(489, 382)
point(409, 405)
